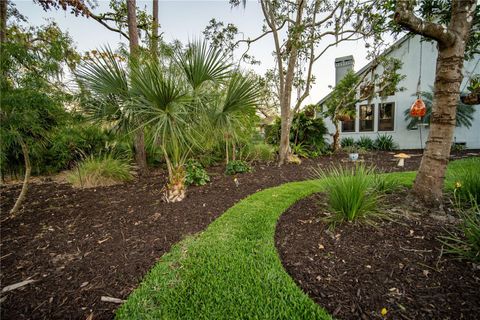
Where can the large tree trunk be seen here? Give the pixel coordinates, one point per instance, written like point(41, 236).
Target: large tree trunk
point(154, 40)
point(28, 170)
point(3, 20)
point(336, 136)
point(428, 186)
point(139, 139)
point(286, 97)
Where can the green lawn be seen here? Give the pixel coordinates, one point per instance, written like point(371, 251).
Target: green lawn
point(231, 270)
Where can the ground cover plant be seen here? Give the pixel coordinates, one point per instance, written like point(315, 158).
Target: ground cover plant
point(237, 166)
point(385, 142)
point(195, 174)
point(366, 143)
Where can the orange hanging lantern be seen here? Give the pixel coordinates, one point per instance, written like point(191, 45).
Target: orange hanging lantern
point(418, 108)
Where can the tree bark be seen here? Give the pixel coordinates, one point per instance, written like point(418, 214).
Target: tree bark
point(154, 40)
point(428, 185)
point(28, 170)
point(336, 136)
point(3, 21)
point(139, 139)
point(286, 97)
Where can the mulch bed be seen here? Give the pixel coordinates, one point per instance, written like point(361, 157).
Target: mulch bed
point(81, 244)
point(356, 270)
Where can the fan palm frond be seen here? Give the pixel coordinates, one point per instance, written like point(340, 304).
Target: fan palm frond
point(202, 63)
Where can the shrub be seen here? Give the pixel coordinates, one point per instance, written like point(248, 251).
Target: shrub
point(385, 142)
point(305, 130)
point(465, 242)
point(347, 142)
point(237, 166)
point(300, 150)
point(351, 193)
point(366, 143)
point(100, 171)
point(195, 174)
point(258, 152)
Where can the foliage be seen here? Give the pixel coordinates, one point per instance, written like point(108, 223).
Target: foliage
point(366, 143)
point(258, 151)
point(100, 171)
point(26, 116)
point(195, 174)
point(237, 166)
point(465, 242)
point(385, 142)
point(187, 104)
point(347, 142)
point(464, 113)
point(300, 150)
point(36, 57)
point(466, 181)
point(351, 193)
point(385, 183)
point(306, 132)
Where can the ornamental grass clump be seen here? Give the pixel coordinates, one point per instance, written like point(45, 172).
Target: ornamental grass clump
point(467, 182)
point(351, 193)
point(100, 171)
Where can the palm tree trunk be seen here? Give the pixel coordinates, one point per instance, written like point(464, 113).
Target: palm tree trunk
point(28, 170)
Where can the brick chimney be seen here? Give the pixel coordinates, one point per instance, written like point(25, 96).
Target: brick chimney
point(342, 66)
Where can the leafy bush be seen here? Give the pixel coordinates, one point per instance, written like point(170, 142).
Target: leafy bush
point(300, 150)
point(465, 243)
point(100, 171)
point(347, 142)
point(351, 193)
point(385, 142)
point(366, 143)
point(195, 174)
point(305, 130)
point(237, 166)
point(258, 152)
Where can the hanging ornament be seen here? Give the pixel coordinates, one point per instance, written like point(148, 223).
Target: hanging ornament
point(418, 108)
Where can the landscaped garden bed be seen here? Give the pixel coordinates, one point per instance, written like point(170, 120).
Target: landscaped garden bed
point(398, 265)
point(81, 244)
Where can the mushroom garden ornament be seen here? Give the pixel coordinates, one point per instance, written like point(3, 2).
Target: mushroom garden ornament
point(401, 156)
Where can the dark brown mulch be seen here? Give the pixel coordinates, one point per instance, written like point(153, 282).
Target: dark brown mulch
point(79, 245)
point(356, 270)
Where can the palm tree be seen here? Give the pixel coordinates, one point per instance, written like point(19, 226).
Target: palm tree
point(232, 114)
point(464, 112)
point(175, 101)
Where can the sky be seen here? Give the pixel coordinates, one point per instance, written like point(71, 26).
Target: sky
point(185, 20)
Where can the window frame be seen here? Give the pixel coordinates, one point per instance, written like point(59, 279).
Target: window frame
point(360, 117)
point(380, 105)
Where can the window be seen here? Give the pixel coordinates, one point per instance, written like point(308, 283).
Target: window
point(386, 116)
point(367, 117)
point(349, 125)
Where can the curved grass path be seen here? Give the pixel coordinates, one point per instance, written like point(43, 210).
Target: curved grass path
point(231, 270)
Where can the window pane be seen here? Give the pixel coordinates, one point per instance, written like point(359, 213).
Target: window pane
point(367, 116)
point(386, 117)
point(348, 126)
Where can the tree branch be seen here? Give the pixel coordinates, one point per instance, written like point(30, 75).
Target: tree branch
point(405, 17)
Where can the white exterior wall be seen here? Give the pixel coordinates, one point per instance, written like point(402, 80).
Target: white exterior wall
point(409, 54)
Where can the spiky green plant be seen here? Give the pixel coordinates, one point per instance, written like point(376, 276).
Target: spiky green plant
point(351, 193)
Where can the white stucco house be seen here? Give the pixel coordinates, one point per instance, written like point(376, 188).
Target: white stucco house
point(386, 116)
